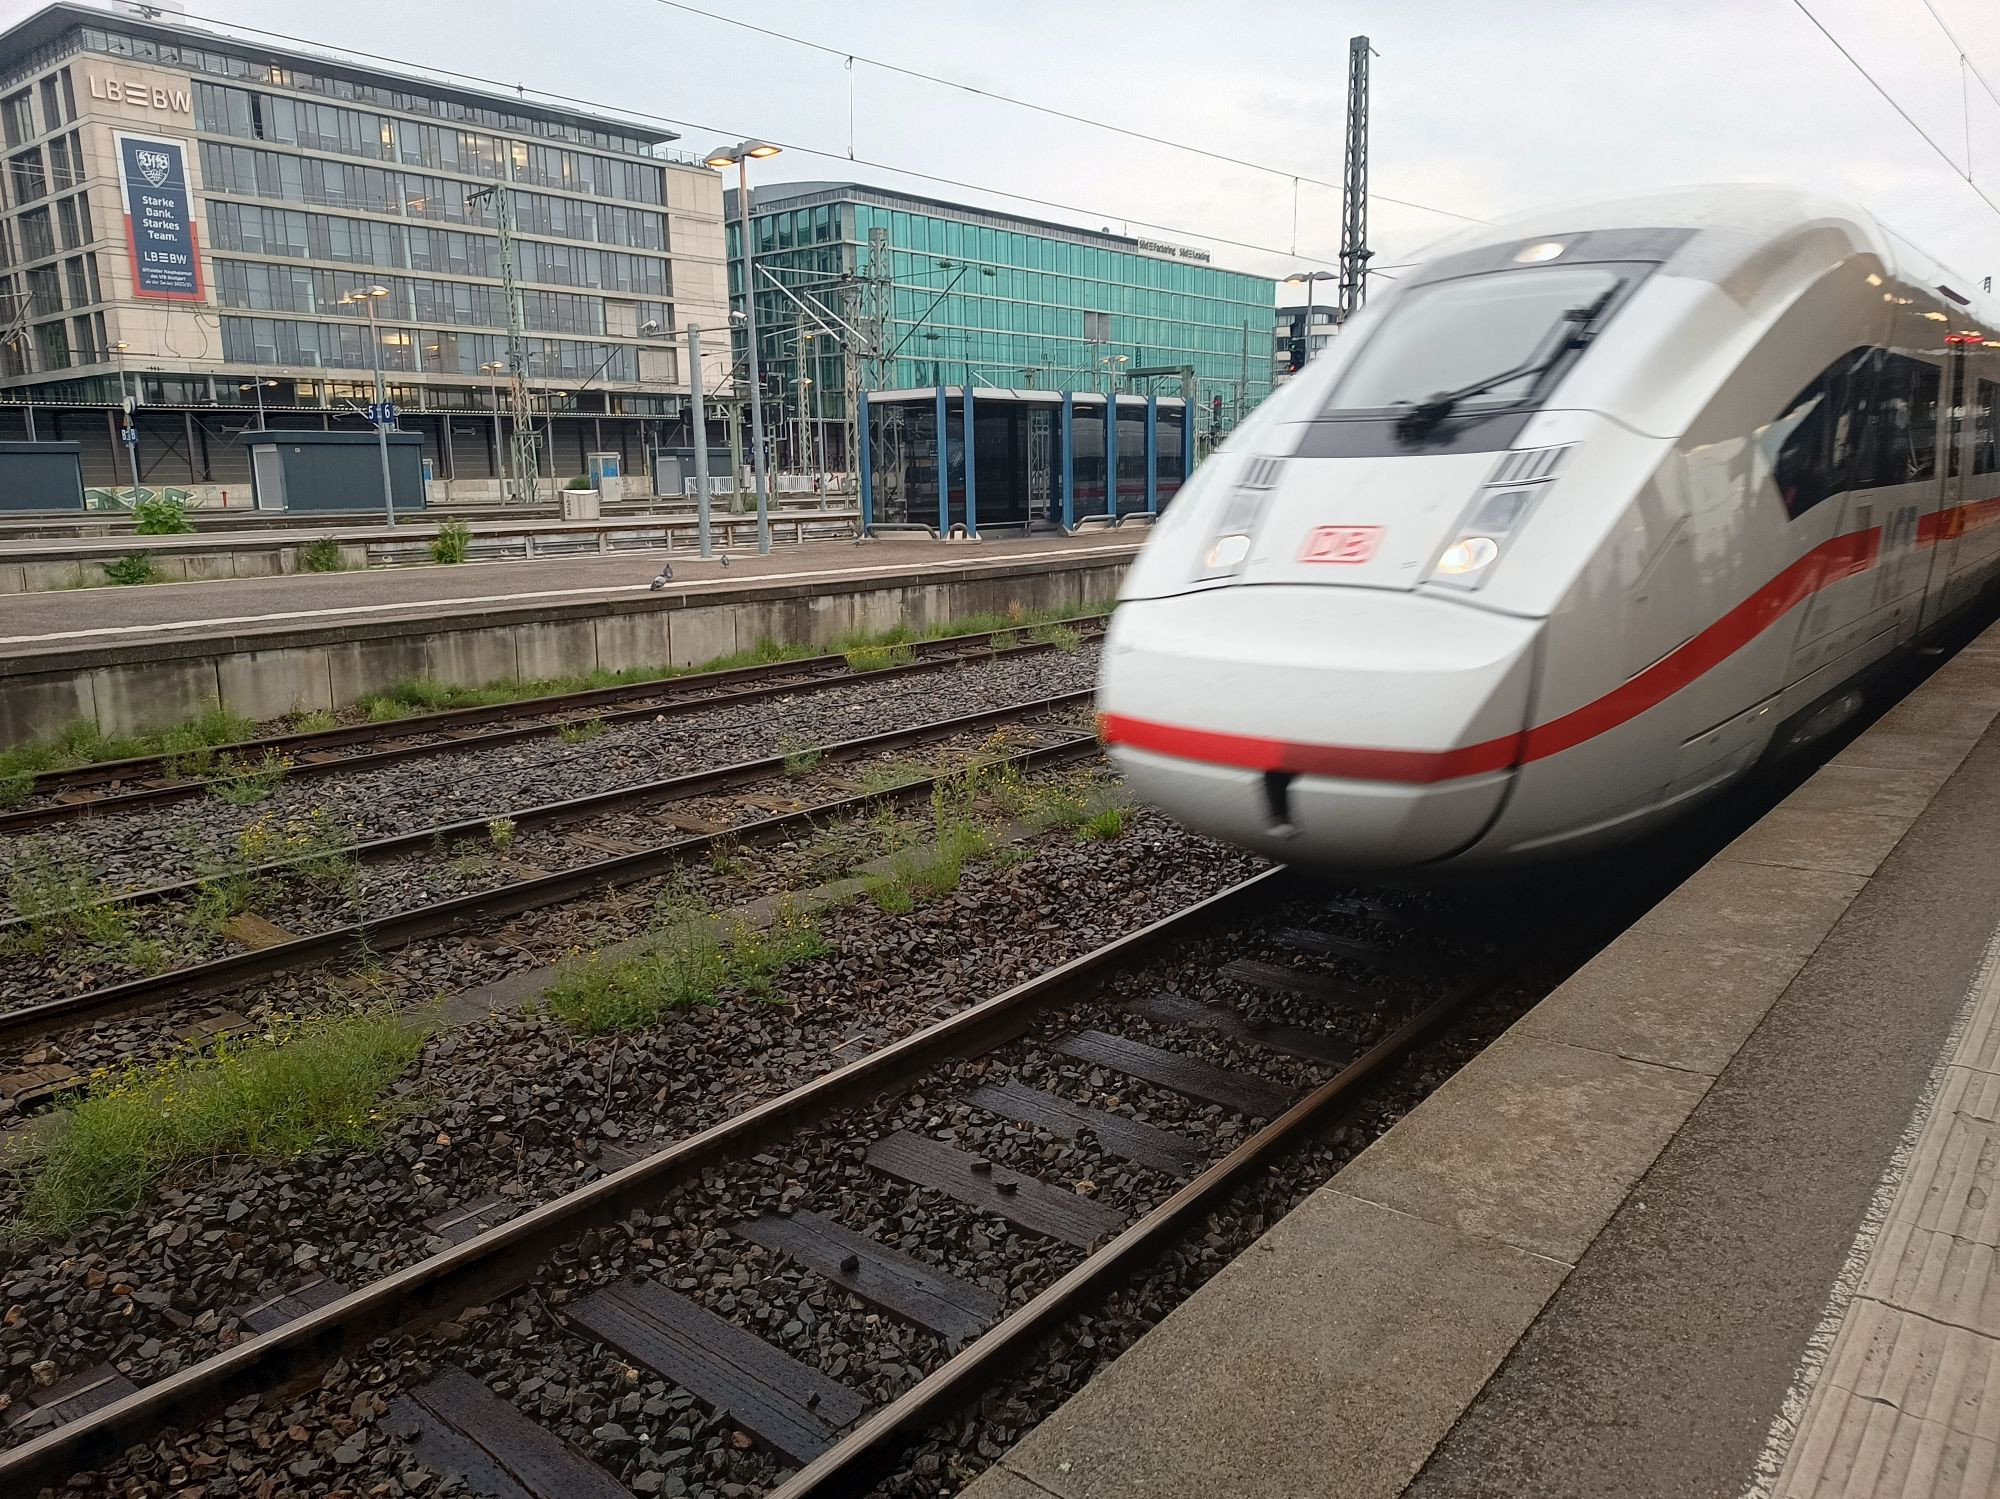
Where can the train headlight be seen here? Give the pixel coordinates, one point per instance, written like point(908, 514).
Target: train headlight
point(1227, 551)
point(1495, 519)
point(1467, 555)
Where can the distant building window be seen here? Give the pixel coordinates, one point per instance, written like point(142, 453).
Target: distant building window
point(1097, 327)
point(17, 117)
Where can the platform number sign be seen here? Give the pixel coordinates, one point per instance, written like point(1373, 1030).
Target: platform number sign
point(160, 234)
point(383, 415)
point(129, 436)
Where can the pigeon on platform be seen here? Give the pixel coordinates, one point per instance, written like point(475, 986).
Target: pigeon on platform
point(666, 576)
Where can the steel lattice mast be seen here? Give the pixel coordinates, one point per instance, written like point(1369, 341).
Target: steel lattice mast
point(1354, 251)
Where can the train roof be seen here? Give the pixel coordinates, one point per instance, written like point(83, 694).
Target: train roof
point(1744, 234)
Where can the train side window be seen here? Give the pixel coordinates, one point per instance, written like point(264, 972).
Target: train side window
point(1986, 429)
point(1803, 466)
point(1857, 432)
point(1909, 402)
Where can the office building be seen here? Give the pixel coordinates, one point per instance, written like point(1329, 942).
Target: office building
point(860, 288)
point(184, 211)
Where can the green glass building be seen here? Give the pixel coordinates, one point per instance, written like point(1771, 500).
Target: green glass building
point(863, 289)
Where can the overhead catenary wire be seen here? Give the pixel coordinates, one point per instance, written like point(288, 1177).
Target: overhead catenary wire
point(1875, 83)
point(550, 98)
point(1965, 62)
point(1094, 123)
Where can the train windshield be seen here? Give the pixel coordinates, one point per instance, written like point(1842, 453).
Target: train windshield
point(1476, 342)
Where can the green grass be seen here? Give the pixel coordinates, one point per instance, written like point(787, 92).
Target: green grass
point(692, 959)
point(314, 721)
point(131, 570)
point(800, 754)
point(1105, 822)
point(251, 781)
point(580, 730)
point(877, 780)
point(62, 901)
point(320, 1085)
point(83, 743)
point(322, 556)
point(878, 657)
point(889, 647)
point(1065, 638)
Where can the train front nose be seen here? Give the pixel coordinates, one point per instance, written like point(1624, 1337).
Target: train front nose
point(1346, 728)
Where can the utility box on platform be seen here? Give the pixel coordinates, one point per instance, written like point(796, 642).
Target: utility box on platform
point(334, 471)
point(41, 476)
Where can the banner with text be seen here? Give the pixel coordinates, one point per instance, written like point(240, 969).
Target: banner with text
point(159, 219)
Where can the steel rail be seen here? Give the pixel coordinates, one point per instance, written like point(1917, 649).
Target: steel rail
point(854, 1464)
point(504, 1258)
point(642, 793)
point(685, 695)
point(400, 928)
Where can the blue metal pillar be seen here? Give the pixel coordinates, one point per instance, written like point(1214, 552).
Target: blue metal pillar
point(943, 467)
point(1152, 453)
point(971, 480)
point(1111, 453)
point(1069, 461)
point(867, 469)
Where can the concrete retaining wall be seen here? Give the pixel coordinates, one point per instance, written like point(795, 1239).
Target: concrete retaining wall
point(128, 688)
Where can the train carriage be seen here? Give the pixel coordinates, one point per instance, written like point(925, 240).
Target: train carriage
point(1580, 520)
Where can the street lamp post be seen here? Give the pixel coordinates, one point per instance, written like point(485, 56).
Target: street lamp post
point(492, 373)
point(258, 386)
point(125, 400)
point(1307, 279)
point(739, 156)
point(367, 297)
point(1113, 363)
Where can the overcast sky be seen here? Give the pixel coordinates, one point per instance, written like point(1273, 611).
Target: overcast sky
point(1479, 106)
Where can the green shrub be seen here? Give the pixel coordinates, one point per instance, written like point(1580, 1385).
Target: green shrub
point(452, 542)
point(581, 481)
point(322, 556)
point(320, 1084)
point(132, 568)
point(161, 515)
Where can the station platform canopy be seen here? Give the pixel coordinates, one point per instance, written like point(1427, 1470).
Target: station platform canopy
point(1018, 459)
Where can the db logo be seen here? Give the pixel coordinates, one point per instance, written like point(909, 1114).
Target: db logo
point(1341, 544)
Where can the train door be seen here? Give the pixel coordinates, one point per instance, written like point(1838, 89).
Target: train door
point(1939, 529)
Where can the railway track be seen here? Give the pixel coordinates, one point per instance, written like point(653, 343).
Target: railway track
point(1310, 1000)
point(389, 931)
point(60, 796)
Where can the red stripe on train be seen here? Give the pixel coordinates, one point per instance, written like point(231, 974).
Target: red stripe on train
point(1823, 566)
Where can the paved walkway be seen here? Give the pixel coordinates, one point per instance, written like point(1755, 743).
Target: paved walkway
point(1716, 1218)
point(45, 622)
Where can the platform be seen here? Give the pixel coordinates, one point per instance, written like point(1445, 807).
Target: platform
point(1715, 1218)
point(148, 656)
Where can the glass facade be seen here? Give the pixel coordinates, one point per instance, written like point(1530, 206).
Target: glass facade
point(966, 297)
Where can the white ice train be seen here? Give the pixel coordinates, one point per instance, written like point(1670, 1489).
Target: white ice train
point(1570, 527)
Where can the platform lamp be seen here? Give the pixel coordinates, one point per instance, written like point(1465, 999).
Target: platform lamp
point(367, 297)
point(125, 400)
point(740, 156)
point(259, 386)
point(1307, 280)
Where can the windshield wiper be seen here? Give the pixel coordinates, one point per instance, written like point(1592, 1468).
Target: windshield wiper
point(1575, 330)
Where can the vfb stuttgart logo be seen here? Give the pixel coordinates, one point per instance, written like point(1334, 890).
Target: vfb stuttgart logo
point(154, 166)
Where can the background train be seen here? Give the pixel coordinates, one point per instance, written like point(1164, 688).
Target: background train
point(1569, 528)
